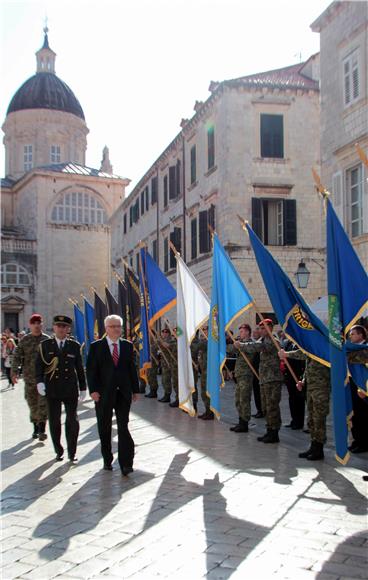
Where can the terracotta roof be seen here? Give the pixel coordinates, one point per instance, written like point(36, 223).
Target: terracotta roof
point(288, 77)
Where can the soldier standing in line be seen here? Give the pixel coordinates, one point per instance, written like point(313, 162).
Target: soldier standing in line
point(60, 379)
point(317, 379)
point(25, 357)
point(244, 380)
point(173, 348)
point(256, 335)
point(152, 374)
point(270, 380)
point(202, 360)
point(194, 354)
point(165, 366)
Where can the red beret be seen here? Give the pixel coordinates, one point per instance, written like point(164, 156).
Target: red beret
point(267, 321)
point(35, 318)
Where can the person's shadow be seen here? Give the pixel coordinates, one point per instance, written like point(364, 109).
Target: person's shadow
point(18, 453)
point(356, 563)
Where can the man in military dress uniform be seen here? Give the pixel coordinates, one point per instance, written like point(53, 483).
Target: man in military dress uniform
point(25, 357)
point(270, 380)
point(61, 379)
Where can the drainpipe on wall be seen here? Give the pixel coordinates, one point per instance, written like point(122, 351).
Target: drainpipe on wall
point(184, 250)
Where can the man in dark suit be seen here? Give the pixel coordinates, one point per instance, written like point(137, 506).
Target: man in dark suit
point(60, 377)
point(113, 383)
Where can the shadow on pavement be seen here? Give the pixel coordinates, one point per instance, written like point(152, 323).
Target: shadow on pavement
point(348, 550)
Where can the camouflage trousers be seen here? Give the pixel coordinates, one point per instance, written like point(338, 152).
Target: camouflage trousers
point(152, 379)
point(271, 396)
point(205, 398)
point(318, 404)
point(36, 403)
point(174, 379)
point(243, 392)
point(166, 380)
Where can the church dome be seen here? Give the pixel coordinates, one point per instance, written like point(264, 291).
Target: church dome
point(45, 91)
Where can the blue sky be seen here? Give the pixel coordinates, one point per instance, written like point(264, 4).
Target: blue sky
point(138, 66)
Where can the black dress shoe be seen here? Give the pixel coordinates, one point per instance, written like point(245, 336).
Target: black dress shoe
point(107, 467)
point(165, 399)
point(359, 449)
point(258, 415)
point(151, 395)
point(174, 404)
point(59, 457)
point(126, 470)
point(73, 459)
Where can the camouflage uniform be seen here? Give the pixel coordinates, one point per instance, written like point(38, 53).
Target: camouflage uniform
point(173, 359)
point(166, 366)
point(194, 353)
point(152, 372)
point(270, 379)
point(244, 382)
point(25, 357)
point(317, 378)
point(202, 360)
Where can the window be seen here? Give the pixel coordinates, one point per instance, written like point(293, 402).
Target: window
point(175, 238)
point(14, 275)
point(131, 210)
point(125, 223)
point(154, 190)
point(206, 218)
point(146, 196)
point(354, 186)
point(28, 157)
point(274, 221)
point(166, 254)
point(178, 177)
point(193, 165)
point(194, 239)
point(272, 136)
point(142, 202)
point(172, 182)
point(351, 78)
point(136, 211)
point(211, 147)
point(55, 154)
point(78, 208)
point(154, 251)
point(166, 200)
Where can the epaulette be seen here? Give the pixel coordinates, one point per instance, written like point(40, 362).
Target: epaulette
point(127, 340)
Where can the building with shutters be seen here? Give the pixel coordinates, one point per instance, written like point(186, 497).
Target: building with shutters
point(248, 150)
point(343, 29)
point(55, 210)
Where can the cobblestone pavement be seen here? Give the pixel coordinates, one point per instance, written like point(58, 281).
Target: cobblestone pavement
point(202, 502)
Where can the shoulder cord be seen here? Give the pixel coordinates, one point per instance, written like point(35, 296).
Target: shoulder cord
point(52, 365)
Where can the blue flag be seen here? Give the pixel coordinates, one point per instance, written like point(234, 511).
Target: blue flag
point(298, 321)
point(89, 315)
point(143, 334)
point(346, 303)
point(229, 299)
point(79, 325)
point(161, 294)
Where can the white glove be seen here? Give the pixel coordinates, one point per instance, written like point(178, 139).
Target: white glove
point(41, 389)
point(82, 395)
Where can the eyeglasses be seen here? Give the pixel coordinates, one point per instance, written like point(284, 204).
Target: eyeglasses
point(114, 326)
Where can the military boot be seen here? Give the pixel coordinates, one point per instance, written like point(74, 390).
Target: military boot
point(262, 437)
point(272, 436)
point(35, 431)
point(242, 427)
point(317, 451)
point(305, 454)
point(235, 426)
point(41, 431)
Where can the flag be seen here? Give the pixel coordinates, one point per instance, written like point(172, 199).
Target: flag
point(161, 294)
point(111, 304)
point(193, 309)
point(123, 307)
point(134, 301)
point(89, 315)
point(100, 315)
point(298, 321)
point(143, 336)
point(229, 299)
point(79, 325)
point(347, 284)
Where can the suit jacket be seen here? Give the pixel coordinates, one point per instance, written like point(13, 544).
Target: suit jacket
point(105, 378)
point(62, 372)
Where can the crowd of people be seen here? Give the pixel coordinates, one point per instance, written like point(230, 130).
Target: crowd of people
point(259, 361)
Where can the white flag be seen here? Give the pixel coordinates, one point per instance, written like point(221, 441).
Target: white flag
point(193, 308)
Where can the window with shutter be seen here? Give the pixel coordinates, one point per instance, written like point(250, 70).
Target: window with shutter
point(153, 190)
point(142, 202)
point(290, 231)
point(178, 177)
point(193, 165)
point(354, 183)
point(351, 79)
point(204, 234)
point(131, 216)
point(257, 222)
point(272, 136)
point(172, 182)
point(337, 196)
point(211, 147)
point(166, 201)
point(154, 250)
point(274, 221)
point(175, 238)
point(166, 254)
point(146, 193)
point(125, 223)
point(193, 229)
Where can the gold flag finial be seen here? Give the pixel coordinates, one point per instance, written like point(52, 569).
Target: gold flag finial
point(361, 154)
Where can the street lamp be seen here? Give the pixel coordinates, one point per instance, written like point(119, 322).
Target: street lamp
point(302, 274)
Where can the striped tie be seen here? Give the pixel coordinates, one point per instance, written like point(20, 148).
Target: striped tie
point(115, 354)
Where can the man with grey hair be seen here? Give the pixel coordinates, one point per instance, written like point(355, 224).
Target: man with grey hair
point(113, 384)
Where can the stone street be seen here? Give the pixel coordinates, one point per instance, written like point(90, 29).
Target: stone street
point(202, 502)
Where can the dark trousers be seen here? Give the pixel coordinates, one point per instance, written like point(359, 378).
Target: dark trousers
point(104, 411)
point(359, 427)
point(296, 403)
point(257, 395)
point(71, 424)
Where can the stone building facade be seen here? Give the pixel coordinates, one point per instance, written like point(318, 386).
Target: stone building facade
point(249, 150)
point(343, 29)
point(55, 210)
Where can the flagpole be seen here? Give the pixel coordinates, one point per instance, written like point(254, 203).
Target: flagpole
point(142, 245)
point(244, 356)
point(161, 344)
point(265, 325)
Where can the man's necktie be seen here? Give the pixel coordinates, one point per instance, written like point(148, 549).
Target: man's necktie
point(115, 354)
point(61, 346)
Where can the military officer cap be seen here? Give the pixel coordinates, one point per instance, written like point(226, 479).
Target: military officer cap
point(267, 321)
point(35, 318)
point(62, 320)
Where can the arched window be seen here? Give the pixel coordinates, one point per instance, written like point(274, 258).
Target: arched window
point(14, 275)
point(78, 208)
